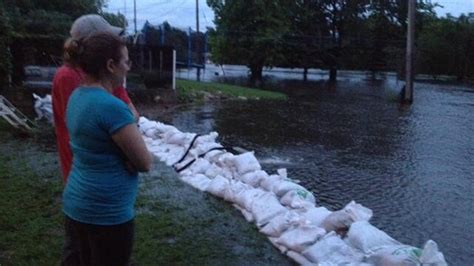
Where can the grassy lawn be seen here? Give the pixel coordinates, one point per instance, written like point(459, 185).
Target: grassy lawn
point(191, 91)
point(175, 224)
point(30, 216)
point(188, 88)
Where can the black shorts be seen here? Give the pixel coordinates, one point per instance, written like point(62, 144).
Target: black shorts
point(98, 244)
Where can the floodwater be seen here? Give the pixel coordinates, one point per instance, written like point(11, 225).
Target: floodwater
point(413, 165)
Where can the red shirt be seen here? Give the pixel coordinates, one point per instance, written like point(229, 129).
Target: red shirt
point(65, 81)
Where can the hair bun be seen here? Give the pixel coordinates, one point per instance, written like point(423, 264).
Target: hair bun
point(73, 49)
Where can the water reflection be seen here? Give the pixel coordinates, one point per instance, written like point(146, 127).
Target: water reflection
point(412, 166)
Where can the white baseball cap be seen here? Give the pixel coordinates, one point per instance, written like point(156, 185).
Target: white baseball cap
point(87, 25)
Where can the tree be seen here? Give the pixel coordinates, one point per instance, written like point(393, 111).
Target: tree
point(445, 47)
point(41, 26)
point(5, 55)
point(249, 33)
point(340, 15)
point(305, 41)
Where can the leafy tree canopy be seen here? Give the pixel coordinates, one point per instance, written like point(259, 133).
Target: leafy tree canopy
point(249, 34)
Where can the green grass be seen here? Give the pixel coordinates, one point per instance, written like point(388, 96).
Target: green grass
point(192, 89)
point(30, 216)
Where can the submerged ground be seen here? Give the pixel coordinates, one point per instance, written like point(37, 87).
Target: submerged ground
point(175, 224)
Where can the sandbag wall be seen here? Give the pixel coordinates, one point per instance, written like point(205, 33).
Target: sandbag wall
point(282, 209)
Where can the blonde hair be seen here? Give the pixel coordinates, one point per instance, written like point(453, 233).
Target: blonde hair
point(71, 52)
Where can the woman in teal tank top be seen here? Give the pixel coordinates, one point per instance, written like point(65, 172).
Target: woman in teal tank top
point(108, 152)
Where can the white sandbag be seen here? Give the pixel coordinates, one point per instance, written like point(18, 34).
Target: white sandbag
point(154, 149)
point(301, 237)
point(358, 212)
point(198, 181)
point(366, 237)
point(315, 215)
point(247, 215)
point(162, 128)
point(223, 160)
point(145, 124)
point(147, 139)
point(227, 173)
point(269, 182)
point(332, 250)
point(213, 155)
point(168, 134)
point(142, 120)
point(300, 259)
point(246, 162)
point(265, 207)
point(218, 186)
point(253, 178)
point(179, 138)
point(213, 171)
point(203, 148)
point(298, 199)
point(280, 247)
point(407, 255)
point(172, 154)
point(280, 223)
point(282, 187)
point(152, 133)
point(200, 166)
point(431, 255)
point(43, 107)
point(234, 188)
point(206, 139)
point(245, 198)
point(342, 219)
point(154, 142)
point(283, 173)
point(397, 255)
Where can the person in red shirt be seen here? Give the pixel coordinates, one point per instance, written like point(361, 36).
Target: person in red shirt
point(68, 77)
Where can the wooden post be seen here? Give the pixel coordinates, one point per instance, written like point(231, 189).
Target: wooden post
point(174, 70)
point(408, 97)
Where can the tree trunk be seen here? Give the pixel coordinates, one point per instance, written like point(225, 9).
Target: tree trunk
point(256, 76)
point(305, 74)
point(332, 74)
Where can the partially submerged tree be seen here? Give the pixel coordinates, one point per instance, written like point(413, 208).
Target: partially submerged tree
point(306, 40)
point(249, 33)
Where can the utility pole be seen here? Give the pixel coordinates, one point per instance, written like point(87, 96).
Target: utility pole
point(125, 15)
point(197, 42)
point(409, 75)
point(197, 16)
point(135, 15)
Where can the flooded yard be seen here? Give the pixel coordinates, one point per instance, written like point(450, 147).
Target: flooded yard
point(412, 165)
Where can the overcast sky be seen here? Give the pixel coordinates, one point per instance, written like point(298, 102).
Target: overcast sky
point(182, 13)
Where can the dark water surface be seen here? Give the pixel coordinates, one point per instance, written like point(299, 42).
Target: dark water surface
point(413, 166)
